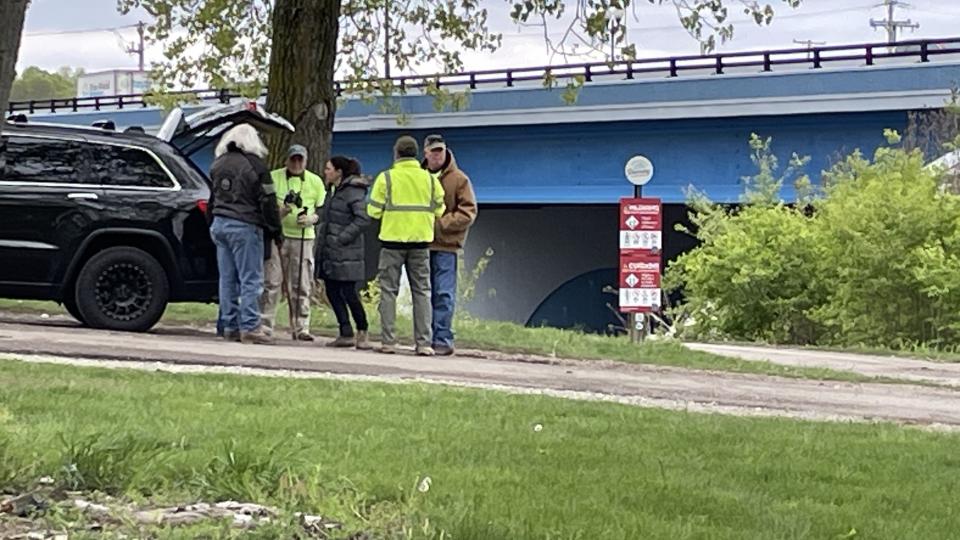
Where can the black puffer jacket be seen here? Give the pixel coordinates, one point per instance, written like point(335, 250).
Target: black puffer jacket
point(339, 251)
point(242, 189)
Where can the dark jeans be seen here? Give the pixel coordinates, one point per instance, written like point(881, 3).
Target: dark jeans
point(443, 281)
point(343, 295)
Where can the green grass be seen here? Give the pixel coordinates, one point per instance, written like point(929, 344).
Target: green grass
point(513, 338)
point(355, 451)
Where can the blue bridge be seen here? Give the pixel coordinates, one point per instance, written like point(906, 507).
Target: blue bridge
point(548, 174)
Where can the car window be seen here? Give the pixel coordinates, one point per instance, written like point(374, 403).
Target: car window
point(26, 159)
point(123, 166)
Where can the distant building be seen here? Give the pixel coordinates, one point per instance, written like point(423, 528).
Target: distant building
point(113, 82)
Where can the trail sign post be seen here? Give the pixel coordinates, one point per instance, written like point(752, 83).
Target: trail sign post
point(641, 242)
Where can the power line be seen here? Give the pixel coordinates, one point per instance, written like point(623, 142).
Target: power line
point(81, 31)
point(676, 27)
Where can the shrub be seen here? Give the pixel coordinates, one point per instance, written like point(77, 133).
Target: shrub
point(872, 260)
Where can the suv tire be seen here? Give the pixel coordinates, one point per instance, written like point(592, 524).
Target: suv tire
point(122, 288)
point(70, 304)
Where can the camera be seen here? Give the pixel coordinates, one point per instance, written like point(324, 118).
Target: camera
point(293, 198)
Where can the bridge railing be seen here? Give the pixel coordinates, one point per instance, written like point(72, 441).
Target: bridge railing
point(720, 63)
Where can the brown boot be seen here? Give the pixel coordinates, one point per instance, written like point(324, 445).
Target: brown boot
point(256, 337)
point(342, 342)
point(363, 342)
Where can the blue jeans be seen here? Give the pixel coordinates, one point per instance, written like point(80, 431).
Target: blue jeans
point(240, 258)
point(443, 279)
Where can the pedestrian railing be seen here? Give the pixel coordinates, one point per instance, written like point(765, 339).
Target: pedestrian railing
point(720, 63)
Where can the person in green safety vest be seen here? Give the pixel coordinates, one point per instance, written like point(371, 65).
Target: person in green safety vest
point(407, 200)
point(299, 194)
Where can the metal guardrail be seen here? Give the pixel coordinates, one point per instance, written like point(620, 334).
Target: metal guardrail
point(766, 61)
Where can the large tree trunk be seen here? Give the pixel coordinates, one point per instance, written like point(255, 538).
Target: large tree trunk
point(11, 26)
point(301, 85)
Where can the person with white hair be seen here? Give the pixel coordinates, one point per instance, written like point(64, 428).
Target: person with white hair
point(244, 209)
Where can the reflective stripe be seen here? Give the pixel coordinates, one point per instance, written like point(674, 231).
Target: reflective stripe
point(389, 196)
point(376, 204)
point(409, 208)
point(269, 189)
point(390, 207)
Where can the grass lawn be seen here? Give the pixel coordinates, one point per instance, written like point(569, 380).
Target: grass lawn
point(356, 451)
point(510, 338)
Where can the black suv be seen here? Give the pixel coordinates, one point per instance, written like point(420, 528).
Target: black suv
point(111, 224)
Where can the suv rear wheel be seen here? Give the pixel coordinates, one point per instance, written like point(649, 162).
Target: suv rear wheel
point(122, 288)
point(70, 304)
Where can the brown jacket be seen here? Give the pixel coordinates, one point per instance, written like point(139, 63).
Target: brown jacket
point(461, 212)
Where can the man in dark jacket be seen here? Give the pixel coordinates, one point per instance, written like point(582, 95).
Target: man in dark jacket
point(243, 206)
point(450, 236)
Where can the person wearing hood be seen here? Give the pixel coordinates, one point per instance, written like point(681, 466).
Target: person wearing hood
point(449, 238)
point(340, 249)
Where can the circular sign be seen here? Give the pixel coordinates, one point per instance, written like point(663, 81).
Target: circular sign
point(639, 170)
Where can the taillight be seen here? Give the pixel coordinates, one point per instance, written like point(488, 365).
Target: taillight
point(202, 206)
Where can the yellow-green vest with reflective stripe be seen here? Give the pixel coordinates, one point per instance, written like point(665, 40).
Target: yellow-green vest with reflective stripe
point(311, 190)
point(407, 200)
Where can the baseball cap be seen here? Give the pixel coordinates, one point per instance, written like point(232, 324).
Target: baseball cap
point(297, 150)
point(434, 142)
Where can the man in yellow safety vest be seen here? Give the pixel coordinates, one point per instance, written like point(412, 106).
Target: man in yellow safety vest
point(299, 194)
point(407, 200)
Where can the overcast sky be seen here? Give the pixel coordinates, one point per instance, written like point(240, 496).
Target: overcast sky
point(655, 30)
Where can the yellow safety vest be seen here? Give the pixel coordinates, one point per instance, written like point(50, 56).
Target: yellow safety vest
point(407, 200)
point(311, 190)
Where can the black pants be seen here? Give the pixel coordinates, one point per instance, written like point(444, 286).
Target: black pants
point(343, 295)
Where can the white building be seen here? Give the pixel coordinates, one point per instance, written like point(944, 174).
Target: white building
point(112, 83)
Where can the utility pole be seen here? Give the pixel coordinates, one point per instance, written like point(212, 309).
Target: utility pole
point(891, 24)
point(809, 43)
point(139, 48)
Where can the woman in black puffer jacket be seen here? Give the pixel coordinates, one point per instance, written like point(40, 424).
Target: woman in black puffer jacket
point(340, 252)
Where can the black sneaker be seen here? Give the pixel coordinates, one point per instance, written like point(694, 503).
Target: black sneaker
point(443, 350)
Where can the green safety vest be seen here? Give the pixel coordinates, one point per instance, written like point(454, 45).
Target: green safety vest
point(311, 190)
point(407, 200)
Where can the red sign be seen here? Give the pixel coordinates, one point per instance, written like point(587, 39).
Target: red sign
point(641, 224)
point(639, 283)
point(641, 241)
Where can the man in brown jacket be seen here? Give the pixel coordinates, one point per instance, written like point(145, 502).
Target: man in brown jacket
point(450, 235)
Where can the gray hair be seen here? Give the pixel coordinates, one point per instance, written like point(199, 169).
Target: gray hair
point(245, 137)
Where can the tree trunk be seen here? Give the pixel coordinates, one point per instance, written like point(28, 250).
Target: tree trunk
point(301, 83)
point(11, 26)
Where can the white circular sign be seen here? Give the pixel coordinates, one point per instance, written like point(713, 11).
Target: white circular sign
point(639, 170)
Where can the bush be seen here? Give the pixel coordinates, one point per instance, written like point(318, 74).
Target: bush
point(870, 261)
point(751, 278)
point(887, 253)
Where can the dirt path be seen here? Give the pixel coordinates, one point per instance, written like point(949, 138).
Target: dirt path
point(634, 384)
point(908, 369)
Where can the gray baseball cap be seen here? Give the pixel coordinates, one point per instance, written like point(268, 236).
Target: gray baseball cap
point(297, 150)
